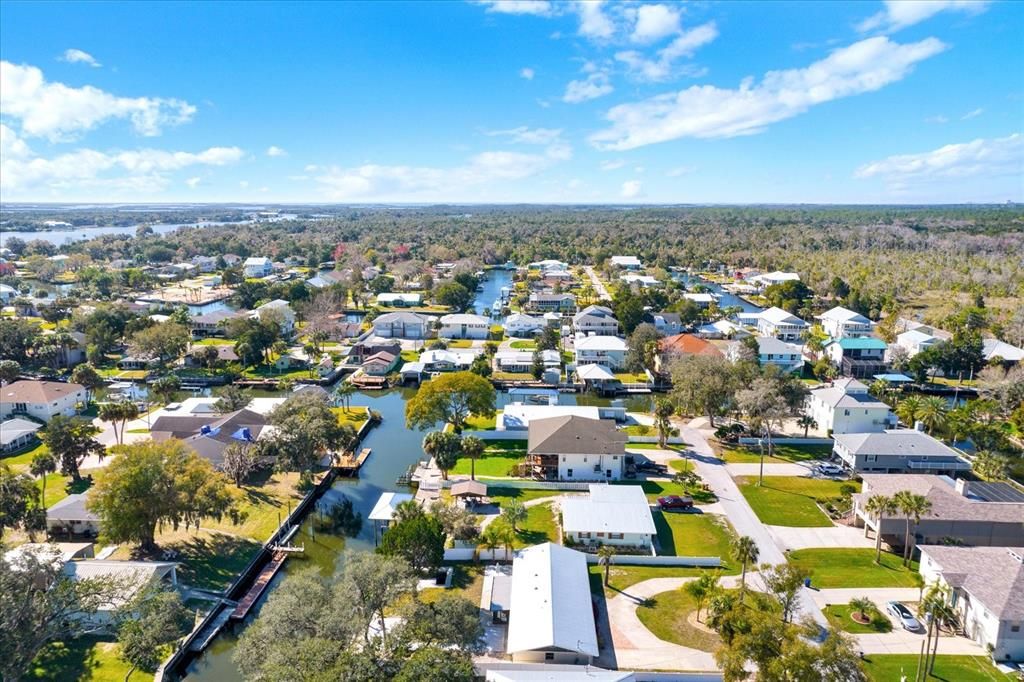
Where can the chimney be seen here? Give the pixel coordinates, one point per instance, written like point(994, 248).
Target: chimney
point(919, 426)
point(962, 486)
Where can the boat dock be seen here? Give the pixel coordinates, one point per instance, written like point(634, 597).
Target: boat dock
point(212, 628)
point(259, 586)
point(349, 465)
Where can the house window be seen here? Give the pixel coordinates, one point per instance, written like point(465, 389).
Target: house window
point(846, 413)
point(584, 460)
point(568, 473)
point(1014, 628)
point(600, 535)
point(548, 656)
point(585, 535)
point(615, 536)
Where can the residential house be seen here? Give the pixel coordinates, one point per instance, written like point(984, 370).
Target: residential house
point(597, 320)
point(449, 360)
point(617, 515)
point(384, 510)
point(401, 300)
point(197, 356)
point(626, 262)
point(897, 451)
point(962, 512)
point(858, 357)
point(71, 516)
point(518, 416)
point(210, 435)
point(464, 326)
point(553, 302)
point(205, 263)
point(7, 293)
point(644, 281)
point(777, 323)
point(842, 323)
point(137, 363)
point(551, 615)
point(667, 324)
point(678, 346)
point(232, 259)
point(722, 329)
point(914, 341)
point(212, 324)
point(771, 351)
point(257, 267)
point(380, 364)
point(609, 351)
point(280, 311)
point(521, 361)
point(41, 400)
point(16, 434)
point(361, 351)
point(986, 588)
point(130, 577)
point(845, 406)
point(701, 300)
point(327, 278)
point(402, 326)
point(993, 349)
point(549, 264)
point(521, 325)
point(776, 277)
point(572, 448)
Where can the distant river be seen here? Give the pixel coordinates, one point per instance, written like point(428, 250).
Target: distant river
point(58, 237)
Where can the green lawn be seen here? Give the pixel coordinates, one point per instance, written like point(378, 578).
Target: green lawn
point(21, 460)
point(523, 344)
point(459, 343)
point(467, 581)
point(354, 416)
point(86, 658)
point(410, 356)
point(58, 487)
point(891, 667)
point(782, 454)
point(791, 500)
point(620, 578)
point(853, 568)
point(641, 430)
point(662, 487)
point(271, 372)
point(654, 446)
point(667, 616)
point(631, 378)
point(540, 526)
point(213, 341)
point(499, 493)
point(478, 423)
point(839, 616)
point(684, 534)
point(492, 463)
point(513, 376)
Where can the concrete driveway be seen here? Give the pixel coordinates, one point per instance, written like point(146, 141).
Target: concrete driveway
point(791, 539)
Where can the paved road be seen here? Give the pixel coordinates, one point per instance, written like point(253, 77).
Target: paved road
point(599, 287)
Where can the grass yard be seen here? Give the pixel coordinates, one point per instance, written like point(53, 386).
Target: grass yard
point(21, 460)
point(948, 668)
point(499, 493)
point(270, 372)
point(213, 341)
point(478, 423)
point(495, 463)
point(791, 500)
point(410, 356)
point(540, 526)
point(667, 616)
point(782, 454)
point(86, 658)
point(459, 343)
point(840, 617)
point(467, 581)
point(513, 376)
point(853, 568)
point(631, 377)
point(654, 446)
point(641, 430)
point(354, 416)
point(621, 578)
point(684, 534)
point(662, 487)
point(524, 345)
point(59, 486)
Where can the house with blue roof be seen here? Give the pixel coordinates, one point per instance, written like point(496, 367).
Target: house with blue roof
point(861, 357)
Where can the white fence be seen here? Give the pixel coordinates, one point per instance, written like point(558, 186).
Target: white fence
point(579, 672)
point(498, 435)
point(469, 554)
point(526, 484)
point(788, 441)
point(671, 440)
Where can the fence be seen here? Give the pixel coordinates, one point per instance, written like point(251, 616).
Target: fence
point(470, 554)
point(580, 672)
point(498, 435)
point(788, 441)
point(524, 484)
point(671, 440)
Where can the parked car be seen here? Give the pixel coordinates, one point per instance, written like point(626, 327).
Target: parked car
point(828, 469)
point(675, 503)
point(902, 614)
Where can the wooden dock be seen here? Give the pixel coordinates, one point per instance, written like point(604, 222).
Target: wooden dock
point(349, 465)
point(259, 586)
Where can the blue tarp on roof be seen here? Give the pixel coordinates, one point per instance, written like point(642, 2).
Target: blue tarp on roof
point(893, 378)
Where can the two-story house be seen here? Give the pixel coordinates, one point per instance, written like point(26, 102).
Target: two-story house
point(402, 326)
point(777, 323)
point(42, 400)
point(609, 351)
point(845, 406)
point(842, 323)
point(571, 448)
point(597, 320)
point(257, 267)
point(858, 357)
point(464, 326)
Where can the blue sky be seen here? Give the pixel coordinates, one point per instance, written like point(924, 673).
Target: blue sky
point(509, 101)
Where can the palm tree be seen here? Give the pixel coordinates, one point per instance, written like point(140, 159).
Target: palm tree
point(508, 539)
point(472, 447)
point(879, 506)
point(991, 466)
point(932, 412)
point(344, 392)
point(43, 463)
point(702, 588)
point(490, 539)
point(605, 554)
point(861, 606)
point(745, 551)
point(908, 410)
point(663, 410)
point(514, 512)
point(404, 511)
point(808, 422)
point(912, 507)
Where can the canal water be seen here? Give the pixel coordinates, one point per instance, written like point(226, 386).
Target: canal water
point(492, 283)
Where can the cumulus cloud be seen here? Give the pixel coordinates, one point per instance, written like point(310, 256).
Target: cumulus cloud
point(594, 23)
point(595, 85)
point(59, 112)
point(663, 66)
point(654, 22)
point(899, 14)
point(535, 7)
point(993, 157)
point(612, 164)
point(527, 73)
point(73, 56)
point(711, 112)
point(631, 189)
point(974, 113)
point(276, 151)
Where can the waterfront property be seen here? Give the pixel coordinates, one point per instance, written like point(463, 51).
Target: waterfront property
point(898, 451)
point(41, 400)
point(573, 448)
point(546, 303)
point(845, 406)
point(16, 434)
point(842, 323)
point(779, 324)
point(257, 267)
point(464, 326)
point(609, 351)
point(597, 320)
point(771, 351)
point(858, 357)
point(402, 326)
point(618, 515)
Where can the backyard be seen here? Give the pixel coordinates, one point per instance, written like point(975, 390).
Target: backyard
point(738, 454)
point(671, 617)
point(498, 460)
point(661, 487)
point(793, 500)
point(948, 668)
point(696, 535)
point(854, 568)
point(85, 658)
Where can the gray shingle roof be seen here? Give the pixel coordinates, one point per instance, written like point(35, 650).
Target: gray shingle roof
point(992, 575)
point(575, 435)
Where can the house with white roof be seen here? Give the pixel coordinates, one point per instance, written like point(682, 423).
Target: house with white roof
point(898, 451)
point(520, 361)
point(553, 302)
point(845, 406)
point(702, 300)
point(41, 400)
point(257, 267)
point(618, 515)
point(402, 326)
point(518, 416)
point(643, 280)
point(915, 341)
point(17, 433)
point(994, 348)
point(7, 293)
point(841, 323)
point(779, 324)
point(449, 360)
point(609, 351)
point(384, 510)
point(522, 325)
point(400, 300)
point(986, 588)
point(551, 615)
point(666, 323)
point(722, 329)
point(597, 320)
point(771, 351)
point(776, 277)
point(626, 262)
point(464, 326)
point(572, 448)
point(279, 310)
point(549, 264)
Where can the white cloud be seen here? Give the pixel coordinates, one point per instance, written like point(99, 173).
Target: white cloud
point(709, 112)
point(193, 182)
point(663, 67)
point(526, 135)
point(980, 158)
point(60, 112)
point(654, 22)
point(899, 14)
point(594, 23)
point(938, 119)
point(273, 150)
point(73, 56)
point(593, 86)
point(28, 175)
point(535, 7)
point(680, 171)
point(527, 73)
point(972, 114)
point(631, 189)
point(612, 164)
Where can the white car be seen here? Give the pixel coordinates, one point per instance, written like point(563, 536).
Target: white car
point(903, 615)
point(828, 469)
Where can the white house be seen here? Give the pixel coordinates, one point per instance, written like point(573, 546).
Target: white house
point(986, 587)
point(7, 293)
point(464, 326)
point(71, 517)
point(597, 320)
point(643, 280)
point(858, 357)
point(553, 302)
point(841, 323)
point(384, 510)
point(572, 448)
point(702, 300)
point(611, 515)
point(776, 277)
point(915, 341)
point(898, 451)
point(257, 267)
point(626, 262)
point(847, 407)
point(609, 351)
point(279, 310)
point(994, 348)
point(722, 329)
point(551, 615)
point(399, 300)
point(17, 433)
point(402, 326)
point(777, 323)
point(519, 324)
point(549, 264)
point(519, 361)
point(667, 324)
point(772, 351)
point(41, 400)
point(518, 416)
point(448, 360)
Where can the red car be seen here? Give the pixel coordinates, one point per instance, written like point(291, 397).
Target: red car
point(675, 503)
